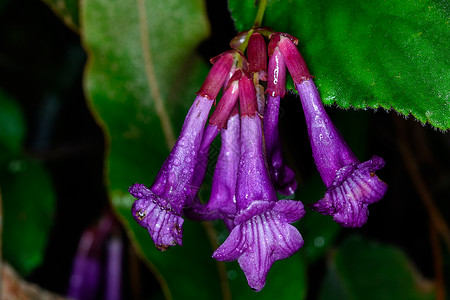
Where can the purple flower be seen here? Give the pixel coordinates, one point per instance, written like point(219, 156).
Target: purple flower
point(222, 202)
point(282, 176)
point(226, 120)
point(262, 233)
point(217, 121)
point(351, 185)
point(159, 208)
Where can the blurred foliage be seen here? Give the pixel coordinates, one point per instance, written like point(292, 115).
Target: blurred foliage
point(360, 269)
point(27, 196)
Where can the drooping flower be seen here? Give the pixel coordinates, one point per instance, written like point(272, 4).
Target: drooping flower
point(217, 121)
point(351, 185)
point(222, 202)
point(159, 208)
point(282, 176)
point(262, 232)
point(223, 119)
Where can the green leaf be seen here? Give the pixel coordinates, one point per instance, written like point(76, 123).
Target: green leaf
point(28, 204)
point(12, 127)
point(141, 79)
point(367, 54)
point(67, 11)
point(360, 269)
point(26, 193)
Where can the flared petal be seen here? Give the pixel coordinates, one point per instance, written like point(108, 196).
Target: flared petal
point(258, 242)
point(232, 248)
point(164, 225)
point(355, 187)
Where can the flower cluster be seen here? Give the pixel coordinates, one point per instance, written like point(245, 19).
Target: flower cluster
point(250, 168)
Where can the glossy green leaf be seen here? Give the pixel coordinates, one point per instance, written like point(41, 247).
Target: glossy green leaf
point(67, 11)
point(141, 79)
point(28, 201)
point(360, 269)
point(367, 54)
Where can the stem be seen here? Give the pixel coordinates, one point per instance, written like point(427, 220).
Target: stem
point(438, 263)
point(260, 13)
point(256, 23)
point(244, 45)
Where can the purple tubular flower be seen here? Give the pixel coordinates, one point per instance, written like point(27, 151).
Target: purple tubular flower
point(209, 135)
point(217, 122)
point(262, 233)
point(159, 208)
point(222, 203)
point(282, 176)
point(351, 185)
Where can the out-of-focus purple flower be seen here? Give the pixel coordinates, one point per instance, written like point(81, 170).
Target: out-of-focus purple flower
point(262, 233)
point(113, 272)
point(86, 274)
point(88, 270)
point(282, 176)
point(351, 185)
point(159, 208)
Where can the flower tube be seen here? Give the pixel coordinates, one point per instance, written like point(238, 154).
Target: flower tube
point(262, 233)
point(159, 208)
point(351, 185)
